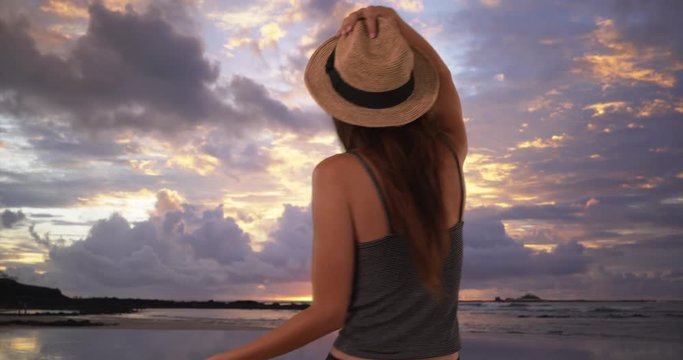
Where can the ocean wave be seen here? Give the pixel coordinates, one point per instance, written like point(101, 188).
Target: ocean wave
point(605, 309)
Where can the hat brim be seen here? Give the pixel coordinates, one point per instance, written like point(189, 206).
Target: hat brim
point(419, 102)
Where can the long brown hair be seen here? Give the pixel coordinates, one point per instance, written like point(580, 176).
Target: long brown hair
point(407, 159)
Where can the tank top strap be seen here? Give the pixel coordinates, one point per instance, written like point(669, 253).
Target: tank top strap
point(460, 174)
point(377, 186)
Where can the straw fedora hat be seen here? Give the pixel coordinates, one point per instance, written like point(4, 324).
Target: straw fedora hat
point(372, 82)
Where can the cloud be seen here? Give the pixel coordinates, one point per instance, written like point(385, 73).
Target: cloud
point(409, 5)
point(183, 252)
point(555, 138)
point(113, 68)
point(122, 99)
point(25, 190)
point(178, 251)
point(498, 264)
point(125, 73)
point(218, 238)
point(9, 218)
point(491, 255)
point(255, 101)
point(648, 23)
point(620, 60)
point(59, 146)
point(290, 244)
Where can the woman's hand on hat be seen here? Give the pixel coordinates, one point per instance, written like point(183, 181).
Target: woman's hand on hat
point(369, 14)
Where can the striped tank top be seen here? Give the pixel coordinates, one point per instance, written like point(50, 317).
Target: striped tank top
point(391, 315)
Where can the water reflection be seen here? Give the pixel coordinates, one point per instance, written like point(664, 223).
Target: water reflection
point(78, 343)
point(21, 344)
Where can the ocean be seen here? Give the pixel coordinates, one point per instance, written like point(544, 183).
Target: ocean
point(489, 330)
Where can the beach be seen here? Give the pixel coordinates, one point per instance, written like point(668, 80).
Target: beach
point(600, 331)
point(126, 338)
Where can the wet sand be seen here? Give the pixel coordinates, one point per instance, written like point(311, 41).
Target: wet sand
point(116, 321)
point(193, 337)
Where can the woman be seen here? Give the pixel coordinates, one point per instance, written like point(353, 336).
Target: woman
point(387, 213)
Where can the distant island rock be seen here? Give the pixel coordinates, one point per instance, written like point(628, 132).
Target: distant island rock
point(525, 297)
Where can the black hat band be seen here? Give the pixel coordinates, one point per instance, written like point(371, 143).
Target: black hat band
point(368, 99)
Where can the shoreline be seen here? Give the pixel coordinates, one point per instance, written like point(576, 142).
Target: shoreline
point(115, 322)
point(107, 321)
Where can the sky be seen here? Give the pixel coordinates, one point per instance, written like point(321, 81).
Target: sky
point(164, 149)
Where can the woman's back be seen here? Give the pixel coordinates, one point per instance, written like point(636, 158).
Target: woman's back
point(369, 217)
point(390, 314)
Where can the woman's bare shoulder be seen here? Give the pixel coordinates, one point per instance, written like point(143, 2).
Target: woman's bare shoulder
point(341, 165)
point(337, 161)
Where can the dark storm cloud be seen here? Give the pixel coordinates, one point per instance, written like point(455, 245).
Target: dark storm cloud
point(168, 69)
point(10, 218)
point(254, 100)
point(182, 14)
point(129, 70)
point(123, 59)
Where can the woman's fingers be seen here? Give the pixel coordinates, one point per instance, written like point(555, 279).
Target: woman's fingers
point(347, 24)
point(367, 14)
point(371, 24)
point(370, 15)
point(350, 21)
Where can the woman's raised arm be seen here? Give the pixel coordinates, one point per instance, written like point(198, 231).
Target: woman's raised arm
point(447, 109)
